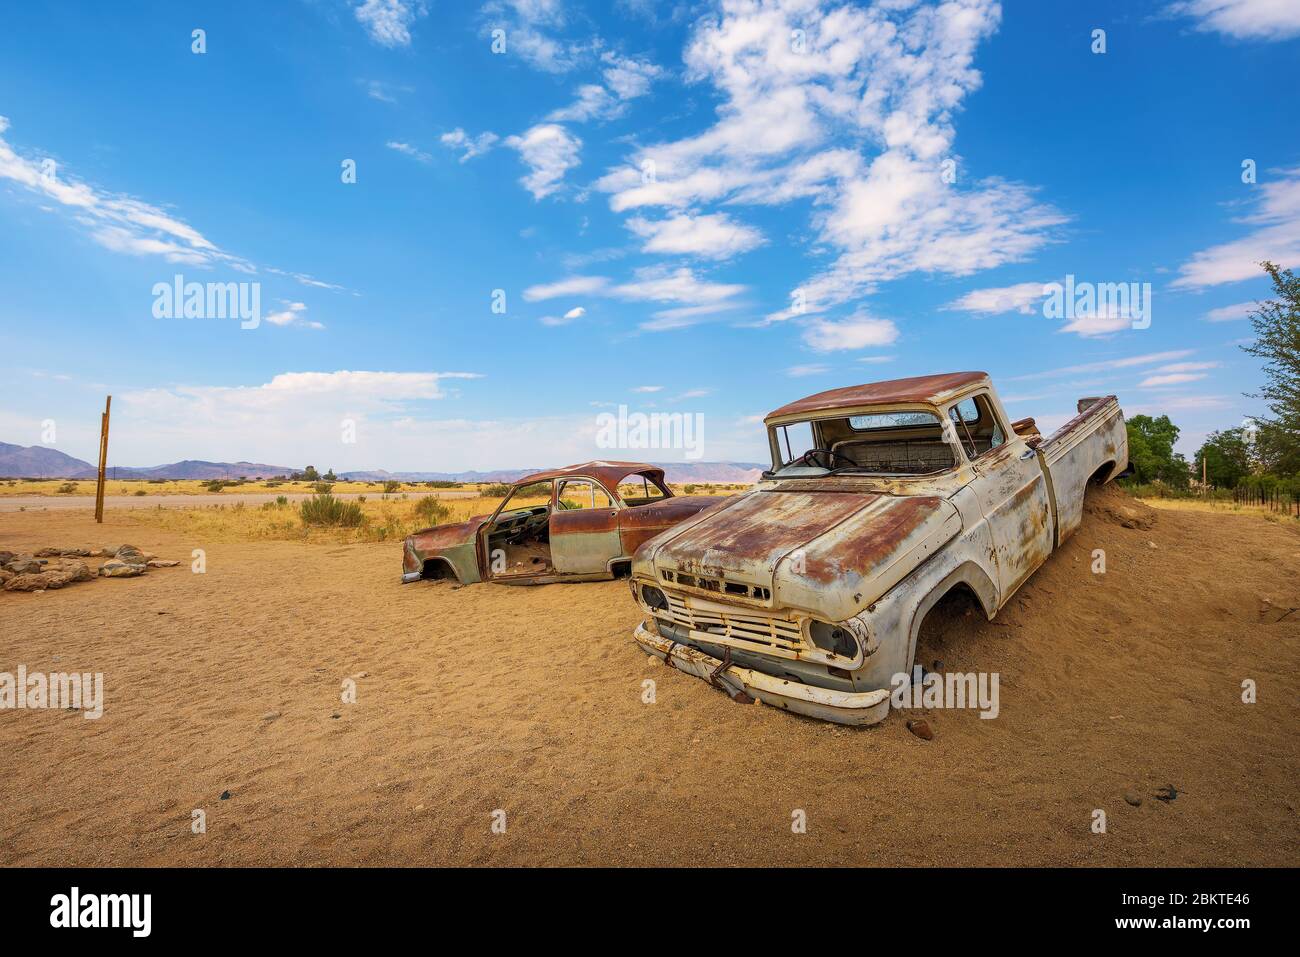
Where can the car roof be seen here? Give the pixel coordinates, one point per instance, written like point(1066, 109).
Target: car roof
point(608, 474)
point(930, 389)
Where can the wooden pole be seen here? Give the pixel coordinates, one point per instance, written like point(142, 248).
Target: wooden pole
point(103, 460)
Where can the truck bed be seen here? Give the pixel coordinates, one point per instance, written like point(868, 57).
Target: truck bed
point(1092, 446)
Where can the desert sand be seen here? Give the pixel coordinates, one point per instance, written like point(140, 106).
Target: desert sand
point(529, 700)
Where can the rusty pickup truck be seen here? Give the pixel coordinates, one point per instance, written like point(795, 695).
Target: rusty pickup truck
point(579, 523)
point(808, 591)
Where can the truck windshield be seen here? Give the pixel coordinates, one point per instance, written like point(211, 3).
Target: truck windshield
point(877, 443)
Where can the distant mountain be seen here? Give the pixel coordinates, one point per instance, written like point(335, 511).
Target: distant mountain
point(37, 461)
point(195, 469)
point(675, 472)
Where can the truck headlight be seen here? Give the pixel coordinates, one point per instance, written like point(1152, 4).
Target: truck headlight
point(835, 639)
point(654, 598)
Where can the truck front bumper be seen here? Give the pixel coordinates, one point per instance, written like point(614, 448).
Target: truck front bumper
point(841, 707)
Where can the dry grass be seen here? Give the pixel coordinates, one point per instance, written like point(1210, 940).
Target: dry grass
point(198, 487)
point(386, 520)
point(1216, 505)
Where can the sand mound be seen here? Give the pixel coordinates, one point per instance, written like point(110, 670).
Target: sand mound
point(1110, 503)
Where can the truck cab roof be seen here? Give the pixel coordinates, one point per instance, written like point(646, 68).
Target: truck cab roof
point(926, 389)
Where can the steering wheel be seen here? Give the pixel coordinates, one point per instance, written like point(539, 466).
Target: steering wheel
point(810, 458)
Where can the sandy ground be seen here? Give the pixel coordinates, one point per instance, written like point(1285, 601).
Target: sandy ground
point(529, 700)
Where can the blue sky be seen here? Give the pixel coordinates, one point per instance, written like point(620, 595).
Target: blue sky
point(653, 187)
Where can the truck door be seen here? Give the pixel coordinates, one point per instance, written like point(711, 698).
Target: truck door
point(584, 528)
point(1011, 488)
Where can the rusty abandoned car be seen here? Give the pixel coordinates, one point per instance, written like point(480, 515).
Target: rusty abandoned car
point(593, 519)
point(808, 592)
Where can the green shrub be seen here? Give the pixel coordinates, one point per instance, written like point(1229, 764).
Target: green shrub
point(496, 490)
point(323, 488)
point(391, 486)
point(141, 491)
point(324, 509)
point(431, 510)
point(67, 488)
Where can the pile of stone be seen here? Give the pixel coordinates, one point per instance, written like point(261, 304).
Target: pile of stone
point(56, 567)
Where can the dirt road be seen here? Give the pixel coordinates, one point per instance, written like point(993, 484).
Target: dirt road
point(530, 701)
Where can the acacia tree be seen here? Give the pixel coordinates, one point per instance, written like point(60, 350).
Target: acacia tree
point(1276, 323)
point(1226, 456)
point(1151, 451)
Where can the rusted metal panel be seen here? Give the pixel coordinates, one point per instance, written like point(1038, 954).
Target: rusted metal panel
point(608, 474)
point(749, 538)
point(638, 525)
point(930, 389)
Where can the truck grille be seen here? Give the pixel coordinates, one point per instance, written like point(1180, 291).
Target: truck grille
point(760, 632)
point(704, 583)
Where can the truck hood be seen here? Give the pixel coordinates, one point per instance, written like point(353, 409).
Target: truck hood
point(830, 553)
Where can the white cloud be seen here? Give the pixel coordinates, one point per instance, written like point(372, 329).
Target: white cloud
point(293, 314)
point(855, 332)
point(1159, 381)
point(877, 360)
point(120, 223)
point(648, 388)
point(1107, 365)
point(526, 23)
point(575, 313)
point(1187, 366)
point(806, 370)
point(572, 286)
point(1099, 323)
point(469, 146)
point(711, 236)
point(593, 101)
point(694, 298)
point(549, 151)
point(1276, 237)
point(389, 22)
point(625, 79)
point(656, 284)
point(385, 92)
point(1239, 310)
point(408, 150)
point(1025, 298)
point(124, 224)
point(1243, 19)
point(891, 75)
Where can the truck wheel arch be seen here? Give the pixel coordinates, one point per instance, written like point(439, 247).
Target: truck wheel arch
point(968, 575)
point(437, 569)
point(1103, 475)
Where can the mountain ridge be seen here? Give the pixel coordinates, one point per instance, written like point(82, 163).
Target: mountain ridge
point(39, 461)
